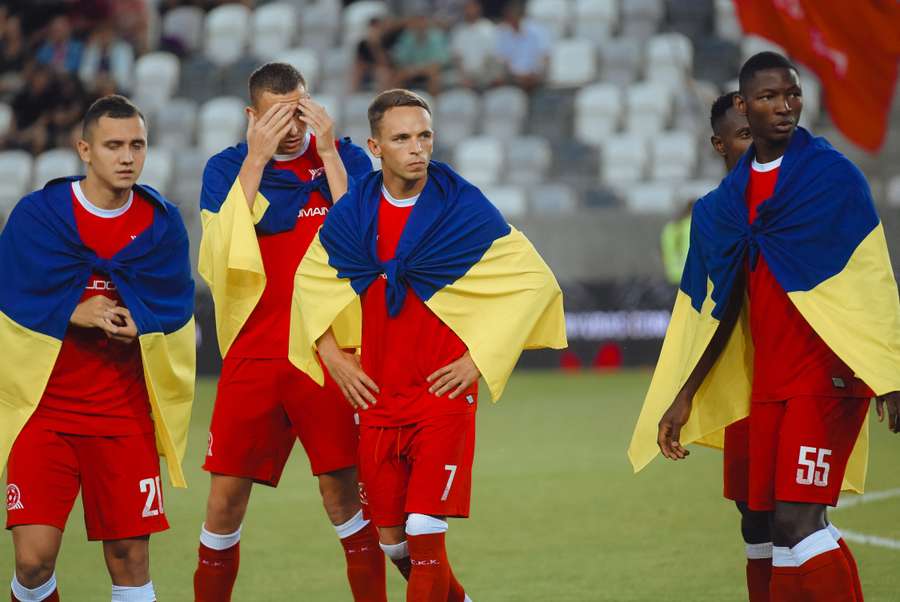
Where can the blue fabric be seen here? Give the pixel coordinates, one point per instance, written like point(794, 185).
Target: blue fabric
point(819, 213)
point(449, 229)
point(45, 266)
point(286, 194)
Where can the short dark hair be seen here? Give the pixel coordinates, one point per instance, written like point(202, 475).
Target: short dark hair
point(278, 78)
point(719, 108)
point(390, 99)
point(113, 105)
point(760, 62)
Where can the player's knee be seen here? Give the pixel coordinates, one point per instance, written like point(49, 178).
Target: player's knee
point(423, 524)
point(33, 570)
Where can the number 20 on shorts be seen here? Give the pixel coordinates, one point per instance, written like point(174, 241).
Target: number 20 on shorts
point(813, 466)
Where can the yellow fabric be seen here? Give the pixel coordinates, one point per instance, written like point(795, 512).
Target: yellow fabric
point(28, 360)
point(231, 263)
point(507, 302)
point(170, 362)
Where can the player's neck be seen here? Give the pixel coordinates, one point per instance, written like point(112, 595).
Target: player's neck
point(101, 195)
point(400, 188)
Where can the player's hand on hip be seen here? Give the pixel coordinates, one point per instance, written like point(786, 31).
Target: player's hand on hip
point(891, 401)
point(92, 312)
point(265, 133)
point(316, 117)
point(120, 325)
point(457, 377)
point(669, 435)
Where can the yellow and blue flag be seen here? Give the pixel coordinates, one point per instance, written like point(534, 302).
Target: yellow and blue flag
point(822, 239)
point(45, 266)
point(230, 259)
point(478, 274)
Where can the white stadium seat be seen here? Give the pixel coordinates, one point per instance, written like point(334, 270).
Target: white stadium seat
point(649, 107)
point(480, 160)
point(226, 30)
point(306, 61)
point(623, 159)
point(15, 177)
point(510, 200)
point(555, 15)
point(595, 20)
point(156, 78)
point(55, 163)
point(158, 168)
point(504, 112)
point(598, 112)
point(222, 124)
point(573, 63)
point(456, 116)
point(185, 25)
point(274, 26)
point(356, 17)
point(528, 160)
point(674, 155)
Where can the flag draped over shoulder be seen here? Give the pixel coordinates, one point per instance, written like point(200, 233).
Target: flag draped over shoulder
point(823, 241)
point(45, 267)
point(230, 259)
point(479, 275)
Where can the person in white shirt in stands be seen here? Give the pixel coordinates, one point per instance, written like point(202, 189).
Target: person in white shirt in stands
point(523, 48)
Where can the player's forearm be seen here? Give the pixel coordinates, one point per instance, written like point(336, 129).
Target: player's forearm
point(335, 173)
point(250, 176)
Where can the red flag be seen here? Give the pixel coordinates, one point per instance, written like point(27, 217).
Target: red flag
point(852, 46)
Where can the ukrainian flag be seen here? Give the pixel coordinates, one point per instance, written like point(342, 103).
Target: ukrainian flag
point(230, 259)
point(823, 241)
point(45, 267)
point(478, 274)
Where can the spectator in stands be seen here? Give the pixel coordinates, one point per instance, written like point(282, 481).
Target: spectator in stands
point(473, 42)
point(108, 55)
point(12, 53)
point(420, 56)
point(523, 48)
point(60, 50)
point(372, 65)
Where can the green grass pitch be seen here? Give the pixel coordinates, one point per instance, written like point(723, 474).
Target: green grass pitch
point(557, 514)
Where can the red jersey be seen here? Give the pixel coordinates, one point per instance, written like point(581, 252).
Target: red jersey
point(266, 332)
point(789, 358)
point(97, 385)
point(400, 353)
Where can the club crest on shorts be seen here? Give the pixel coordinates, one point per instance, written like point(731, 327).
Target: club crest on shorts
point(13, 497)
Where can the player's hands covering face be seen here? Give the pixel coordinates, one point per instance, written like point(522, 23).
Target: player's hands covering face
point(316, 117)
point(456, 377)
point(891, 401)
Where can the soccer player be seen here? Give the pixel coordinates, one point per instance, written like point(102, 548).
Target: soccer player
point(99, 357)
point(262, 203)
point(449, 292)
point(794, 226)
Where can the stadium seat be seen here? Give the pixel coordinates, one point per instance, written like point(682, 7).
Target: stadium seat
point(670, 58)
point(156, 79)
point(504, 112)
point(728, 27)
point(226, 29)
point(6, 118)
point(479, 160)
point(184, 25)
point(622, 59)
point(641, 18)
point(319, 25)
point(222, 124)
point(650, 198)
point(55, 163)
point(274, 26)
point(598, 112)
point(528, 160)
point(158, 168)
point(649, 107)
point(510, 200)
point(553, 199)
point(552, 14)
point(456, 116)
point(573, 63)
point(893, 192)
point(595, 20)
point(623, 159)
point(356, 17)
point(306, 61)
point(15, 177)
point(674, 156)
point(174, 125)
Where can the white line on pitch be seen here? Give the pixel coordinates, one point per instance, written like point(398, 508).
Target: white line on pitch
point(872, 540)
point(856, 500)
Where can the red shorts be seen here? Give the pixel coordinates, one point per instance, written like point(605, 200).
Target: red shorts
point(119, 479)
point(736, 460)
point(799, 448)
point(262, 407)
point(424, 468)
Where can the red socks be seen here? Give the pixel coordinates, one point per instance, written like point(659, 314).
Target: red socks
point(429, 580)
point(365, 565)
point(216, 573)
point(759, 573)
